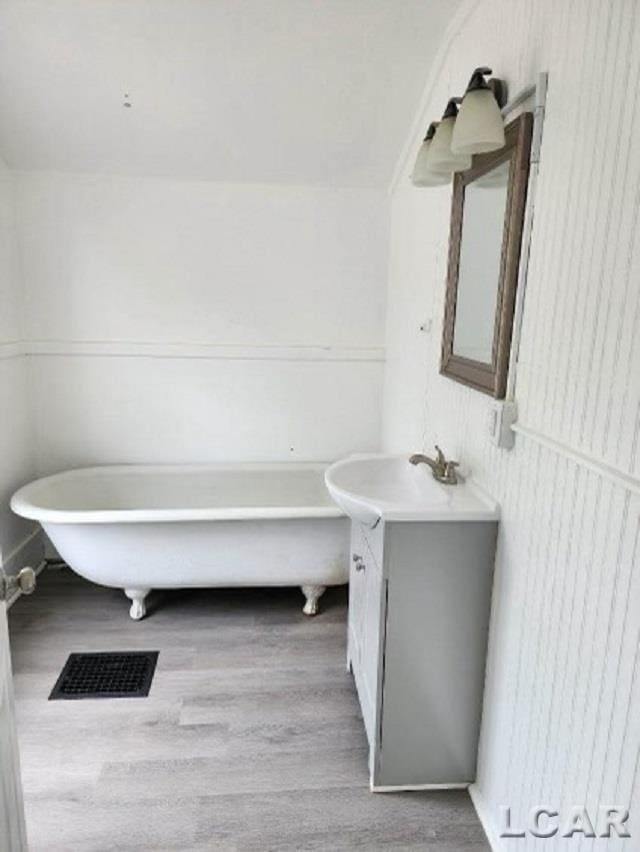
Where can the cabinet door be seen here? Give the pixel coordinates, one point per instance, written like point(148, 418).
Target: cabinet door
point(357, 593)
point(364, 627)
point(372, 620)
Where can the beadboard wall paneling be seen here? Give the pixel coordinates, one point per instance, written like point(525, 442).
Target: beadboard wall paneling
point(560, 724)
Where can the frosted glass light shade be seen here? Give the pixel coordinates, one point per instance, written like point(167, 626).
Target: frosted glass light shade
point(441, 158)
point(479, 126)
point(422, 174)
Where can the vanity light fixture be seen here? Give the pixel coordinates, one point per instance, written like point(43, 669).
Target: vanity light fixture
point(422, 174)
point(440, 158)
point(479, 127)
point(476, 127)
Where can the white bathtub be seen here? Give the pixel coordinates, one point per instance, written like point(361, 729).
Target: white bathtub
point(139, 527)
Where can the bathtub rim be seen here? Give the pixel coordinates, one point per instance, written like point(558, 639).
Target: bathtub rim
point(23, 504)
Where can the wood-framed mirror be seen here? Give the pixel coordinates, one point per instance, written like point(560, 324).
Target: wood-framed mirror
point(487, 217)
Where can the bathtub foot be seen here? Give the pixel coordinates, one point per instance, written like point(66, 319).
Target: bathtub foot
point(313, 595)
point(136, 596)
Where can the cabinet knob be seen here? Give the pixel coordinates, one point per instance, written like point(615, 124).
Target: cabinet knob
point(359, 562)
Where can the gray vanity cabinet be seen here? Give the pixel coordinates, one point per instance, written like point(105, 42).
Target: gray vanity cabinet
point(419, 601)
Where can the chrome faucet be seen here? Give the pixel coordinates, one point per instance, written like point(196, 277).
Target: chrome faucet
point(443, 470)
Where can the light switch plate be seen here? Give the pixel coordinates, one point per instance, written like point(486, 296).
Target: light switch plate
point(503, 414)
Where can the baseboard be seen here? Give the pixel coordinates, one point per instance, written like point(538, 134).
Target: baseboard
point(407, 788)
point(30, 551)
point(484, 816)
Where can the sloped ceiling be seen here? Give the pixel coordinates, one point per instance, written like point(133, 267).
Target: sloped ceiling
point(317, 92)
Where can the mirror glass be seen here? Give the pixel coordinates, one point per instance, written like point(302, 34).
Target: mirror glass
point(479, 267)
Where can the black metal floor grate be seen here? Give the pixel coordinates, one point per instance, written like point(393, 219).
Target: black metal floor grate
point(107, 674)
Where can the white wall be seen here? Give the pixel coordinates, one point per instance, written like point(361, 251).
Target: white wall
point(191, 321)
point(561, 723)
point(16, 438)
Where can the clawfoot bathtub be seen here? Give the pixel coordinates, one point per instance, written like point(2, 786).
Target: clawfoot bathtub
point(140, 527)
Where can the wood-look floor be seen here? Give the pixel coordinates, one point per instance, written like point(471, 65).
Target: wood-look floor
point(250, 739)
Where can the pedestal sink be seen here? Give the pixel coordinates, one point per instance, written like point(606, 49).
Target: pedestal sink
point(373, 487)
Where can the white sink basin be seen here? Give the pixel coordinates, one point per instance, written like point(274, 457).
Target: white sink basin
point(372, 487)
